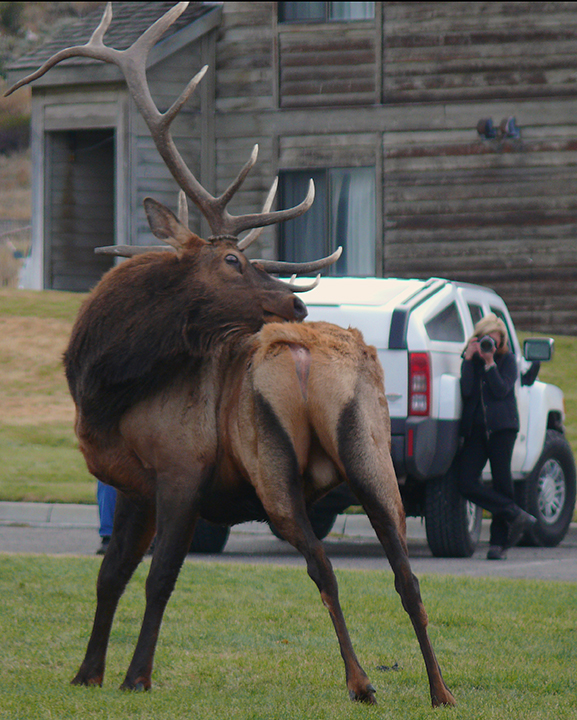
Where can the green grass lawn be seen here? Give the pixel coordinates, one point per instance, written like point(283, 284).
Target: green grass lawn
point(242, 642)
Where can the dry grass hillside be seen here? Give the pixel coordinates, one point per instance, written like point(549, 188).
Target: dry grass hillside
point(15, 196)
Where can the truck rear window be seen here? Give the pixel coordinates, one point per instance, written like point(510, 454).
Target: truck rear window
point(446, 326)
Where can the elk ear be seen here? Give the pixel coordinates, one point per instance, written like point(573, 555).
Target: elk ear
point(166, 226)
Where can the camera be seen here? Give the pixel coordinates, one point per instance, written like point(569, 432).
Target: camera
point(487, 344)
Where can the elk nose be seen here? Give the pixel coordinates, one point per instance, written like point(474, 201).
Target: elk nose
point(300, 309)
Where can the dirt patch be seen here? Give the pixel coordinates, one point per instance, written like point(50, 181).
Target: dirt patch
point(32, 384)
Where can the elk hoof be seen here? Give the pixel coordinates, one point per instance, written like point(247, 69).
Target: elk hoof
point(443, 699)
point(139, 685)
point(86, 679)
point(367, 695)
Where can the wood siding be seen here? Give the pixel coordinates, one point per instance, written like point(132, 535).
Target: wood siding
point(330, 64)
point(498, 212)
point(244, 70)
point(444, 51)
point(403, 92)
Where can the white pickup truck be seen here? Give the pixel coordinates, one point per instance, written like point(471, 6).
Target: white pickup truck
point(419, 328)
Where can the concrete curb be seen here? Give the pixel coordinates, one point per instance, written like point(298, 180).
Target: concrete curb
point(49, 514)
point(68, 515)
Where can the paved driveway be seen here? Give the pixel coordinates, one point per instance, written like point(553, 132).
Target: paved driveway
point(72, 529)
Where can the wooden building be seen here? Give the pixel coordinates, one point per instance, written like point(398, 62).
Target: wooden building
point(381, 103)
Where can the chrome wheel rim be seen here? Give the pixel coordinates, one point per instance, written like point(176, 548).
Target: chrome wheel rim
point(551, 491)
point(471, 515)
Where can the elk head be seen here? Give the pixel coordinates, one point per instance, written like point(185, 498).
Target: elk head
point(225, 227)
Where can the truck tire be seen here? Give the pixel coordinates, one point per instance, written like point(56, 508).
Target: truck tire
point(453, 524)
point(549, 492)
point(321, 519)
point(209, 538)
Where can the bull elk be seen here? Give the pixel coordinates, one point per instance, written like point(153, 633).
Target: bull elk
point(193, 404)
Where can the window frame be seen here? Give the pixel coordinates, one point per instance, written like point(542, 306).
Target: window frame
point(326, 17)
point(439, 317)
point(329, 230)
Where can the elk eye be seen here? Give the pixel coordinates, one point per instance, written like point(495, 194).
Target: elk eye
point(232, 260)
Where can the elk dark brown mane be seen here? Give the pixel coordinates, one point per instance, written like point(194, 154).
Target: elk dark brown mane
point(159, 315)
point(191, 402)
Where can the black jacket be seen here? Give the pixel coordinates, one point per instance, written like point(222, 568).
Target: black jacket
point(489, 395)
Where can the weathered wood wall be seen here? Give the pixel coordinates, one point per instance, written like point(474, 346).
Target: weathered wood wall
point(500, 212)
point(325, 68)
point(455, 51)
point(404, 92)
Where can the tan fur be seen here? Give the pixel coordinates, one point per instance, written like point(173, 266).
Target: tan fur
point(293, 411)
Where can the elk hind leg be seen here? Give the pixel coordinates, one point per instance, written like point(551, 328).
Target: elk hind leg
point(282, 498)
point(132, 532)
point(371, 475)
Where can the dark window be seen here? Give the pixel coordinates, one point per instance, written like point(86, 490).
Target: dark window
point(325, 11)
point(501, 315)
point(476, 313)
point(343, 214)
point(446, 325)
point(79, 207)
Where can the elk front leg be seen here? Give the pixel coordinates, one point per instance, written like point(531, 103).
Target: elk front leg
point(176, 514)
point(131, 535)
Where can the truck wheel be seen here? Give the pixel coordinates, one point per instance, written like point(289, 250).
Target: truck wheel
point(322, 521)
point(549, 492)
point(453, 524)
point(208, 538)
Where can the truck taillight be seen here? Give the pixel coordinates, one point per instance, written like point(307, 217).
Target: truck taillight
point(419, 384)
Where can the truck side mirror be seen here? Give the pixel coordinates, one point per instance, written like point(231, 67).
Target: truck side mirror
point(538, 349)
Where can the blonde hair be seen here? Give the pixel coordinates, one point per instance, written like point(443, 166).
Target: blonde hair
point(491, 323)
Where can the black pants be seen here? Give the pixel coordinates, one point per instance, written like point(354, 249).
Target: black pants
point(498, 499)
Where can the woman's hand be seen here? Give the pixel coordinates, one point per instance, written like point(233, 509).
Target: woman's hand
point(472, 349)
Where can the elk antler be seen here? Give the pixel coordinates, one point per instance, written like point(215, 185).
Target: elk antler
point(132, 63)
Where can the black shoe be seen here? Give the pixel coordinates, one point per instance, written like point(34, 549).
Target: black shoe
point(496, 553)
point(104, 545)
point(520, 524)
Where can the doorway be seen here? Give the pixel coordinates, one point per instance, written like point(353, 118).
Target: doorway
point(79, 207)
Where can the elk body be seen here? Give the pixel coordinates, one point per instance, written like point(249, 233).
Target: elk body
point(193, 404)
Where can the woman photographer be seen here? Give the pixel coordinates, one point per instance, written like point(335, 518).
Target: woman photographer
point(489, 426)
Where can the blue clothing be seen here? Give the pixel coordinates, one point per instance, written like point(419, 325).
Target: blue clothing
point(106, 497)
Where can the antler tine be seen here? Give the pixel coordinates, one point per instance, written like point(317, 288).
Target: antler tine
point(98, 34)
point(303, 288)
point(176, 106)
point(150, 37)
point(227, 195)
point(256, 232)
point(279, 266)
point(182, 209)
point(129, 251)
point(237, 224)
point(92, 49)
